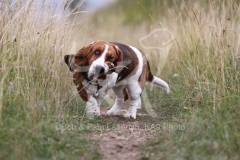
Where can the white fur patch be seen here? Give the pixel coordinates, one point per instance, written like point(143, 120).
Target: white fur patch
point(161, 83)
point(100, 61)
point(92, 108)
point(107, 83)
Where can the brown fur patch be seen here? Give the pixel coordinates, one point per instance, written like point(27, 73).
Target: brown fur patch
point(146, 74)
point(129, 57)
point(125, 93)
point(78, 79)
point(149, 74)
point(81, 58)
point(102, 76)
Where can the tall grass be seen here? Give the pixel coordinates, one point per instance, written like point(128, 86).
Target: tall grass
point(34, 38)
point(205, 54)
point(36, 90)
point(208, 44)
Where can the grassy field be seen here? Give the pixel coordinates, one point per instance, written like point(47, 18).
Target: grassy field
point(42, 117)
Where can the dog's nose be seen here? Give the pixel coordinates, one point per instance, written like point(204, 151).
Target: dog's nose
point(100, 69)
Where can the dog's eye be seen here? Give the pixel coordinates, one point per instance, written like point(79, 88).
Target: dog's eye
point(97, 52)
point(109, 58)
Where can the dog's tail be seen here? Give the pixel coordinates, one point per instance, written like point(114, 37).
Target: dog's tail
point(161, 83)
point(158, 81)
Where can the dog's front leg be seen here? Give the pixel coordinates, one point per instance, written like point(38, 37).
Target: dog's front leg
point(92, 108)
point(116, 109)
point(99, 100)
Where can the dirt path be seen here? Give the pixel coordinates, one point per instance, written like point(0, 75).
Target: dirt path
point(121, 138)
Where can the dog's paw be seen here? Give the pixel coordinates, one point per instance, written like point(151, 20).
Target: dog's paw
point(114, 111)
point(131, 113)
point(92, 112)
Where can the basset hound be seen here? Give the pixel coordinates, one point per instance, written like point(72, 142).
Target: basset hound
point(101, 66)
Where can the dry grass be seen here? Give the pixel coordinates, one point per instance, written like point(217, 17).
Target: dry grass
point(36, 91)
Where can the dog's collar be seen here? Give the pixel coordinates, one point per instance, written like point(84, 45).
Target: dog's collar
point(96, 84)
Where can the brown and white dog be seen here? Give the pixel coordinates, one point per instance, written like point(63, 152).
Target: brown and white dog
point(101, 66)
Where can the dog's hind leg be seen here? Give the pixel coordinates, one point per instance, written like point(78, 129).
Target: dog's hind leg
point(134, 93)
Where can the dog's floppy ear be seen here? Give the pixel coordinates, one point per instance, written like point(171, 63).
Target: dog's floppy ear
point(79, 59)
point(81, 56)
point(69, 61)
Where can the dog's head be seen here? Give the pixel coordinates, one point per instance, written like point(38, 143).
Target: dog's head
point(96, 59)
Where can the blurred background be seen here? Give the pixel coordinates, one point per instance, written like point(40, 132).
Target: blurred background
point(111, 19)
point(127, 22)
